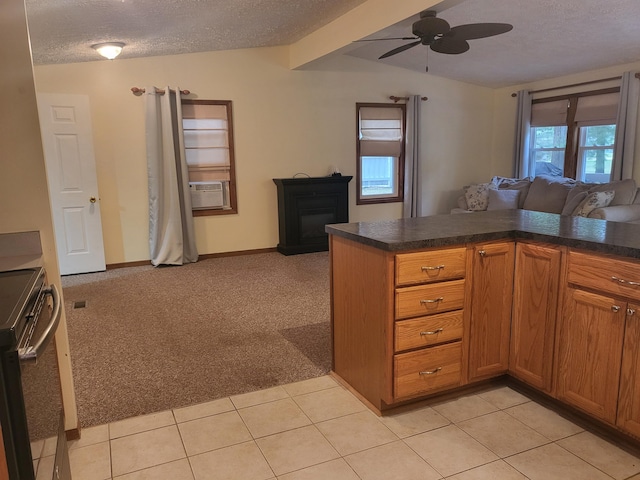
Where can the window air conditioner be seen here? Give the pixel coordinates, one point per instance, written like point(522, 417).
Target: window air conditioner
point(206, 194)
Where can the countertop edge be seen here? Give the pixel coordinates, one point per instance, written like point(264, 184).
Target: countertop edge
point(596, 235)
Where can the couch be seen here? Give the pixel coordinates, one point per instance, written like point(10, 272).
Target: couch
point(616, 201)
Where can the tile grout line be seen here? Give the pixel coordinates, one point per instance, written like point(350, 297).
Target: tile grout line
point(584, 459)
point(253, 439)
point(342, 457)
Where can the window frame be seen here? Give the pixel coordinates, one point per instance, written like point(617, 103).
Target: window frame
point(399, 178)
point(572, 145)
point(233, 200)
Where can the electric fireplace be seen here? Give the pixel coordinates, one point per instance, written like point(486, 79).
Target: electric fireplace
point(305, 206)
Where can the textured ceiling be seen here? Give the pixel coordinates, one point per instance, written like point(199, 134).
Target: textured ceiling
point(550, 38)
point(62, 31)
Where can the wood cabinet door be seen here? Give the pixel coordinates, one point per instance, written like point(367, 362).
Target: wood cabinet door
point(535, 306)
point(491, 297)
point(629, 397)
point(590, 337)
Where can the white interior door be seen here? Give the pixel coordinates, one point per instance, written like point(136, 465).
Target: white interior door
point(65, 122)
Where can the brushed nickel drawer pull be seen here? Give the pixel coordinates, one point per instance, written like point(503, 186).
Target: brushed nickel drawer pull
point(431, 372)
point(615, 308)
point(434, 332)
point(426, 269)
point(482, 253)
point(625, 282)
point(435, 300)
point(631, 311)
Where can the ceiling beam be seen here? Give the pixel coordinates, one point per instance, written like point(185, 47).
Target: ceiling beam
point(366, 19)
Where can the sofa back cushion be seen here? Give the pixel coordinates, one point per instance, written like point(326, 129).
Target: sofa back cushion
point(548, 193)
point(625, 190)
point(576, 195)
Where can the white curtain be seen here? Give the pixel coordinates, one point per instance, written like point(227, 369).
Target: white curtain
point(171, 232)
point(626, 127)
point(412, 176)
point(523, 125)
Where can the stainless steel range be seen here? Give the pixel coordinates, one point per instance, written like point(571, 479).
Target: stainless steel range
point(31, 412)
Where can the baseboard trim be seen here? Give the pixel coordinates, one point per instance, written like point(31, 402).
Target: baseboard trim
point(238, 253)
point(139, 263)
point(142, 263)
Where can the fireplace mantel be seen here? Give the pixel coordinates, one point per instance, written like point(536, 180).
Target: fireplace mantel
point(305, 206)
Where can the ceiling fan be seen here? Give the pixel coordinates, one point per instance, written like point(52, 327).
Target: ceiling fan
point(442, 38)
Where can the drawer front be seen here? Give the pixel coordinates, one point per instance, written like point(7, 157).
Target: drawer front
point(429, 299)
point(428, 331)
point(616, 277)
point(428, 369)
point(423, 267)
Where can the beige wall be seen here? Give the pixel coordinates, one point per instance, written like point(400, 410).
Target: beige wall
point(285, 121)
point(505, 111)
point(24, 198)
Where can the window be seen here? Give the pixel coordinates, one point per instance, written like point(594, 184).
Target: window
point(208, 140)
point(574, 136)
point(595, 153)
point(547, 149)
point(380, 152)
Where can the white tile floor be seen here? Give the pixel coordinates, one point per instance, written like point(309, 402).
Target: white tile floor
point(316, 429)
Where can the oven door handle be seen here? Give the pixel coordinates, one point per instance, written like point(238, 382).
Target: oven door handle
point(30, 353)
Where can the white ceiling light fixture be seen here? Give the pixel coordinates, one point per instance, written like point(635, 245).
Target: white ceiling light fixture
point(109, 50)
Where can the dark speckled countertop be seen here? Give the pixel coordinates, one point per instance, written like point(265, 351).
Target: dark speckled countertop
point(444, 230)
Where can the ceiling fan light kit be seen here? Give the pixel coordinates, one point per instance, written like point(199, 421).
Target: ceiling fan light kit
point(439, 36)
point(109, 50)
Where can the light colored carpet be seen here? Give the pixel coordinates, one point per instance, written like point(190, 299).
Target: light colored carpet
point(151, 339)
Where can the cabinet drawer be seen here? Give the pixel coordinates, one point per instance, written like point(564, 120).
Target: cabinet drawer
point(422, 267)
point(616, 277)
point(427, 331)
point(427, 369)
point(429, 299)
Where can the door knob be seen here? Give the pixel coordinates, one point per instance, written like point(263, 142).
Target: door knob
point(92, 199)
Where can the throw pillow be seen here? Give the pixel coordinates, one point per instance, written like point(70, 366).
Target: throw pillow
point(594, 200)
point(520, 184)
point(477, 196)
point(503, 199)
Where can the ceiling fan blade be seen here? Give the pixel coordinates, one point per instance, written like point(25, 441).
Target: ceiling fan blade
point(388, 38)
point(399, 49)
point(472, 31)
point(450, 45)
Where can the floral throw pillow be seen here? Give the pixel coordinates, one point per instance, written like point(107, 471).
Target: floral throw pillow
point(592, 201)
point(477, 196)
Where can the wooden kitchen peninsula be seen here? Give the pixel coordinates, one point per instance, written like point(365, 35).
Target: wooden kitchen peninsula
point(426, 305)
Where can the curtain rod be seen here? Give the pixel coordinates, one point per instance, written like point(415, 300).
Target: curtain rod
point(637, 75)
point(397, 99)
point(140, 91)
